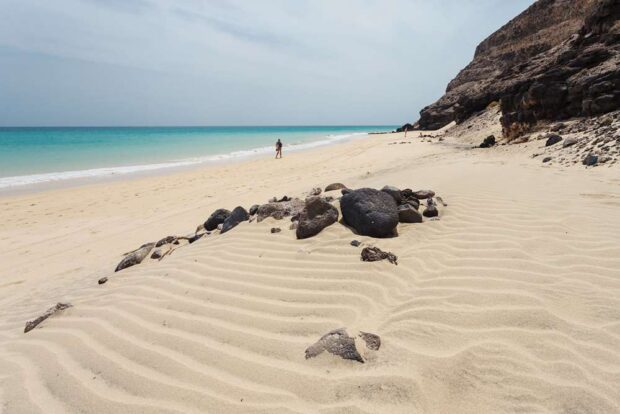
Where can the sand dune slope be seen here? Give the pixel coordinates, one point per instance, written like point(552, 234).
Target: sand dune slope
point(509, 303)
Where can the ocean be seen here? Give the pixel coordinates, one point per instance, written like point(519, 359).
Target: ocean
point(39, 155)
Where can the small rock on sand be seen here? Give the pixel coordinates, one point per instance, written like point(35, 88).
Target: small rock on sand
point(374, 254)
point(135, 257)
point(552, 140)
point(337, 342)
point(335, 186)
point(373, 341)
point(30, 325)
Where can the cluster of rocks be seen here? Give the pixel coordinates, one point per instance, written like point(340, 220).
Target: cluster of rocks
point(589, 141)
point(368, 211)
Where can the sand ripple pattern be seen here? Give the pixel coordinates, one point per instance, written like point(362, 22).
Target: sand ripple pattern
point(492, 309)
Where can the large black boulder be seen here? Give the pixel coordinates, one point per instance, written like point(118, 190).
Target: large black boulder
point(394, 192)
point(370, 212)
point(317, 215)
point(238, 215)
point(216, 219)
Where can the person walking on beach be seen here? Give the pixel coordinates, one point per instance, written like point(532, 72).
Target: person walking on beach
point(279, 149)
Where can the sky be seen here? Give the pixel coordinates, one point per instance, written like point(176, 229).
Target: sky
point(234, 62)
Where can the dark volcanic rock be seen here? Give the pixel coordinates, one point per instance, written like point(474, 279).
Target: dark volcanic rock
point(408, 214)
point(335, 186)
point(370, 212)
point(488, 142)
point(394, 192)
point(253, 209)
point(356, 243)
point(238, 215)
point(546, 159)
point(590, 160)
point(275, 230)
point(558, 59)
point(279, 210)
point(552, 140)
point(431, 209)
point(317, 215)
point(216, 219)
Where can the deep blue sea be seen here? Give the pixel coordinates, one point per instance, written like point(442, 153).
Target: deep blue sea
point(40, 155)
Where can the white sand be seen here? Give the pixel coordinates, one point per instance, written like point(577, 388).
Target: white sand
point(509, 303)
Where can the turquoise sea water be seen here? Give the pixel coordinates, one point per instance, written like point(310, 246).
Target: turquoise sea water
point(38, 155)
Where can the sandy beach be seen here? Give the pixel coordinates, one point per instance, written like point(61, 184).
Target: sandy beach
point(508, 303)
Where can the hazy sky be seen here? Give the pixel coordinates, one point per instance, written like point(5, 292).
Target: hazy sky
point(227, 62)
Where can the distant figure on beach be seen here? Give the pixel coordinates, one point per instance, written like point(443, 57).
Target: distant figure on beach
point(406, 129)
point(279, 149)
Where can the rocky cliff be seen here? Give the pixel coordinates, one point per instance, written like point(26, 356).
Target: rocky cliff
point(558, 59)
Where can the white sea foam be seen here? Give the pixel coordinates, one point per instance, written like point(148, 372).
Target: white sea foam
point(22, 180)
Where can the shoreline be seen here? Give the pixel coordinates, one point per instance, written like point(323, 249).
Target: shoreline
point(29, 183)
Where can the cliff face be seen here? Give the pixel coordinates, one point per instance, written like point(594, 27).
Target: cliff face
point(558, 59)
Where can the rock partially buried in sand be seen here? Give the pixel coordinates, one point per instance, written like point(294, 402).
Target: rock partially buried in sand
point(335, 186)
point(375, 254)
point(253, 210)
point(315, 191)
point(337, 342)
point(568, 142)
point(165, 240)
point(135, 257)
point(373, 341)
point(356, 243)
point(30, 325)
point(280, 209)
point(423, 194)
point(431, 209)
point(216, 218)
point(236, 216)
point(156, 254)
point(317, 215)
point(408, 214)
point(546, 160)
point(275, 230)
point(102, 280)
point(370, 212)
